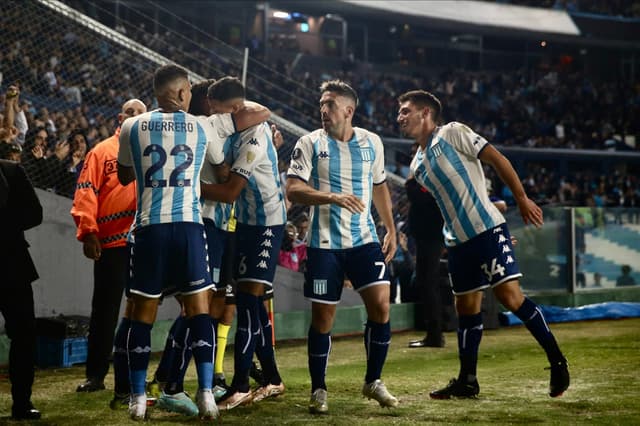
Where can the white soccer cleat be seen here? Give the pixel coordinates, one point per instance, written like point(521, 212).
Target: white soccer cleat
point(138, 406)
point(318, 403)
point(207, 404)
point(378, 391)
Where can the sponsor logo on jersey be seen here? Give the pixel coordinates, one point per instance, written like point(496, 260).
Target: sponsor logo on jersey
point(323, 155)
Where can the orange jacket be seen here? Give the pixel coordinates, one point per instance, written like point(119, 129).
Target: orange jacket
point(101, 204)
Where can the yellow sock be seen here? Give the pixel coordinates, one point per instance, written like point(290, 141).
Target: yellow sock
point(221, 346)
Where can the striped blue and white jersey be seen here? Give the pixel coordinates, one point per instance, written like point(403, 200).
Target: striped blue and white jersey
point(254, 157)
point(218, 211)
point(166, 151)
point(451, 170)
point(351, 167)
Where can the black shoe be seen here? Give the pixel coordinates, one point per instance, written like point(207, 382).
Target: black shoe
point(256, 374)
point(457, 389)
point(559, 378)
point(428, 342)
point(26, 413)
point(91, 385)
point(120, 400)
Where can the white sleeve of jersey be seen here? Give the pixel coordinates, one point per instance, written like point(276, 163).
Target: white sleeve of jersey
point(301, 156)
point(379, 175)
point(125, 157)
point(464, 139)
point(224, 124)
point(215, 142)
point(253, 147)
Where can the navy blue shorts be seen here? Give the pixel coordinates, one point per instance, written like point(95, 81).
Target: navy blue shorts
point(257, 251)
point(327, 269)
point(169, 258)
point(484, 261)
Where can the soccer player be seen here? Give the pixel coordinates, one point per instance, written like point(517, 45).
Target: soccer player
point(163, 150)
point(254, 185)
point(339, 170)
point(449, 164)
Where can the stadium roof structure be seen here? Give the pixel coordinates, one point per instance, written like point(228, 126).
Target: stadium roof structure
point(484, 17)
point(537, 20)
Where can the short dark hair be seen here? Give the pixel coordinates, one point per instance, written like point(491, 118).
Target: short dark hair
point(226, 88)
point(198, 96)
point(422, 98)
point(341, 88)
point(168, 74)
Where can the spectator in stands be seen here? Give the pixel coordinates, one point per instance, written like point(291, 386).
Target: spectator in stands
point(625, 278)
point(293, 255)
point(103, 211)
point(20, 210)
point(480, 252)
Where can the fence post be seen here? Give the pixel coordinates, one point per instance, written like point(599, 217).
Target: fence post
point(570, 219)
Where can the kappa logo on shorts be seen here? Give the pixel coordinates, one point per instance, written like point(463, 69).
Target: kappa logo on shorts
point(266, 243)
point(201, 344)
point(319, 287)
point(262, 265)
point(265, 254)
point(506, 249)
point(509, 260)
point(501, 238)
point(267, 233)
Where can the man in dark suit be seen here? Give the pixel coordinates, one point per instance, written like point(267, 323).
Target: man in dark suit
point(20, 210)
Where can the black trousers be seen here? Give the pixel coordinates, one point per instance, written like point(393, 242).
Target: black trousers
point(109, 275)
point(428, 255)
point(16, 305)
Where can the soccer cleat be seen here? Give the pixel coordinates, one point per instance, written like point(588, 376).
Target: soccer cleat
point(220, 387)
point(154, 388)
point(559, 378)
point(378, 391)
point(138, 407)
point(120, 400)
point(234, 398)
point(178, 403)
point(206, 403)
point(318, 403)
point(268, 391)
point(458, 389)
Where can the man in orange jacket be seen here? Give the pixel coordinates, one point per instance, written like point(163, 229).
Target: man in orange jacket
point(103, 210)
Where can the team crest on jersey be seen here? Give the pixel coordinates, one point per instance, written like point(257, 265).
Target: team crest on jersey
point(251, 156)
point(367, 154)
point(436, 150)
point(323, 155)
